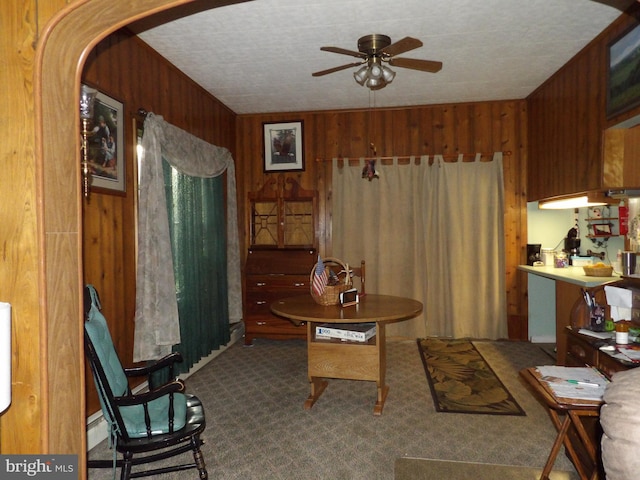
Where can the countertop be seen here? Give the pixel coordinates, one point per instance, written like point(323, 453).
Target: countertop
point(573, 275)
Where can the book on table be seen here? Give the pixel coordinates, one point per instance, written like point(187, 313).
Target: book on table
point(356, 332)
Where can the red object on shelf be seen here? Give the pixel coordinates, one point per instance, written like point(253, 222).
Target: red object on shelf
point(623, 216)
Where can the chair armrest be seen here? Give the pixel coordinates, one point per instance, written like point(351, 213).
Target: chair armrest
point(176, 386)
point(167, 360)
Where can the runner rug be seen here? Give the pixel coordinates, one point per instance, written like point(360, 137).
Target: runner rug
point(461, 381)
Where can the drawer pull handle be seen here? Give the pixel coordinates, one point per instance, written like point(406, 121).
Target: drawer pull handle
point(261, 323)
point(260, 284)
point(298, 284)
point(261, 302)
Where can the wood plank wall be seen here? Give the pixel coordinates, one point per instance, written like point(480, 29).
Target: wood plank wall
point(426, 130)
point(125, 68)
point(567, 118)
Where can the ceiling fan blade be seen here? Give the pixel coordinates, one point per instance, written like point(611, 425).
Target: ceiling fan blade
point(344, 51)
point(402, 46)
point(336, 69)
point(415, 64)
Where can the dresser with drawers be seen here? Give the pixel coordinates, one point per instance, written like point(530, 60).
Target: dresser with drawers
point(272, 274)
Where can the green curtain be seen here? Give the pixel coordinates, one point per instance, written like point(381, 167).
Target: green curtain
point(196, 211)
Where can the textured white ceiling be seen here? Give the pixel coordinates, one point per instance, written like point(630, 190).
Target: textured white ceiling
point(258, 56)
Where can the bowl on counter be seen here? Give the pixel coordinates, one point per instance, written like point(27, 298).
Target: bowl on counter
point(598, 270)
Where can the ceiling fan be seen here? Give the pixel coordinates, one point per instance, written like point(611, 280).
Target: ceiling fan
point(375, 49)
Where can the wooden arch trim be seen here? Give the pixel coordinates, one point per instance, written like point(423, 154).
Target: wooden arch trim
point(62, 50)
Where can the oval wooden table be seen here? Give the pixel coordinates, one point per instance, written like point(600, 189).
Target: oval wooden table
point(334, 358)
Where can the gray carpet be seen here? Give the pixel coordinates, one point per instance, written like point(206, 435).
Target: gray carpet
point(257, 427)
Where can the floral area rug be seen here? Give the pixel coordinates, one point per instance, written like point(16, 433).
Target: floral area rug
point(461, 381)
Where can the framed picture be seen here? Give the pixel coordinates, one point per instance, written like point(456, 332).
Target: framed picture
point(106, 145)
point(283, 148)
point(601, 230)
point(623, 74)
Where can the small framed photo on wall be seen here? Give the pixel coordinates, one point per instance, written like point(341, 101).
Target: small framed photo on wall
point(283, 147)
point(105, 144)
point(601, 230)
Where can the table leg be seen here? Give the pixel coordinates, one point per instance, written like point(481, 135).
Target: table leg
point(317, 387)
point(570, 418)
point(383, 390)
point(563, 428)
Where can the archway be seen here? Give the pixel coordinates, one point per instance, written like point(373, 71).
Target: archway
point(62, 51)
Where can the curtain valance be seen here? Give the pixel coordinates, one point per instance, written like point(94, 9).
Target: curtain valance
point(157, 328)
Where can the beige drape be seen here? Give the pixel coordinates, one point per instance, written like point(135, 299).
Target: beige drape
point(430, 232)
point(157, 326)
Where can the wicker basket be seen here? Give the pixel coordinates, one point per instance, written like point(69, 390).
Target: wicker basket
point(331, 294)
point(598, 270)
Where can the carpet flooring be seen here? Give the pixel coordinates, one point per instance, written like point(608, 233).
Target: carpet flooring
point(461, 381)
point(258, 429)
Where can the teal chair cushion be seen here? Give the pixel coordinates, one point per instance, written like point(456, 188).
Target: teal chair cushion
point(133, 416)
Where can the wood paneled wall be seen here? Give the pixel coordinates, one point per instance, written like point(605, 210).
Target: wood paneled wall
point(125, 68)
point(427, 130)
point(567, 118)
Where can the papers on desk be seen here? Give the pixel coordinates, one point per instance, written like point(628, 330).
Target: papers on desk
point(580, 383)
point(622, 301)
point(630, 353)
point(601, 335)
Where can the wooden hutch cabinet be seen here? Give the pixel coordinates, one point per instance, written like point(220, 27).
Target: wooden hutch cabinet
point(282, 228)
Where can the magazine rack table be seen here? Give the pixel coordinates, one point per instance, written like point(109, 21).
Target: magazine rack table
point(566, 415)
point(333, 358)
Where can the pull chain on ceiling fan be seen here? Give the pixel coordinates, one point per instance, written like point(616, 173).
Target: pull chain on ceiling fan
point(375, 50)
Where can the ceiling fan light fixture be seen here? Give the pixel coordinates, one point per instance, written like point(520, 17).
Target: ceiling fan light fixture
point(361, 74)
point(373, 51)
point(375, 71)
point(375, 83)
point(387, 74)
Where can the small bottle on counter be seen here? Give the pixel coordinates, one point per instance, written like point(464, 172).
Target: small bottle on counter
point(622, 333)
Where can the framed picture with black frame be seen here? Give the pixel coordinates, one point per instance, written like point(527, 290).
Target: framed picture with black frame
point(283, 147)
point(623, 73)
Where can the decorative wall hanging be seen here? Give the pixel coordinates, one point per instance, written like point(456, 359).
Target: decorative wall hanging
point(623, 75)
point(283, 147)
point(105, 145)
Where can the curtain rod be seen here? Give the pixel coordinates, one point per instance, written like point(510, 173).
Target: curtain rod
point(408, 157)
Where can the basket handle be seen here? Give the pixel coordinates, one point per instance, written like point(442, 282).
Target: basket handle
point(337, 261)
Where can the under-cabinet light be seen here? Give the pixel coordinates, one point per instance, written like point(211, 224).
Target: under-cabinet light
point(569, 202)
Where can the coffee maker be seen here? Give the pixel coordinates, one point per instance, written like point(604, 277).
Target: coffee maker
point(572, 243)
point(533, 253)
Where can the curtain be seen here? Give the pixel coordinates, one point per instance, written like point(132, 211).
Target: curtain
point(196, 214)
point(430, 232)
point(157, 326)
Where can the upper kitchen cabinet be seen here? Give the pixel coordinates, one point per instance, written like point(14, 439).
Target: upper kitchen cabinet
point(571, 147)
point(621, 164)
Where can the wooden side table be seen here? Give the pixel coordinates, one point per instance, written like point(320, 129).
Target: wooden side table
point(567, 416)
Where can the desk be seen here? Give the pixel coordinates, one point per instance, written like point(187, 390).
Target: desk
point(347, 360)
point(573, 412)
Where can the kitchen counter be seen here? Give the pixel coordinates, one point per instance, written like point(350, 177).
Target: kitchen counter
point(552, 294)
point(574, 275)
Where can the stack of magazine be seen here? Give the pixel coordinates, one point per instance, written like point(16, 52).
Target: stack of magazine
point(354, 332)
point(580, 383)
